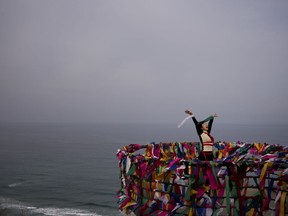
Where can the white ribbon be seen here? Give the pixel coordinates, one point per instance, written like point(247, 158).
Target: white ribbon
point(184, 120)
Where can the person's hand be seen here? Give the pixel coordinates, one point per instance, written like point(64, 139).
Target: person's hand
point(188, 112)
point(215, 115)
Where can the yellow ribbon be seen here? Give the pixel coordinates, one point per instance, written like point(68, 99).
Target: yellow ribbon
point(251, 212)
point(264, 170)
point(190, 212)
point(129, 204)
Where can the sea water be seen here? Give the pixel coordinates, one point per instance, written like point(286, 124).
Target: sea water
point(72, 169)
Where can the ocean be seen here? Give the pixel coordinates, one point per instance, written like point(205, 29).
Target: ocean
point(72, 169)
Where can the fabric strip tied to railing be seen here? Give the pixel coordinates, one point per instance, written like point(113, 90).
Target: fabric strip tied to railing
point(168, 179)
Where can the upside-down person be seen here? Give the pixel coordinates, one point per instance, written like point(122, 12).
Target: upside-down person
point(203, 131)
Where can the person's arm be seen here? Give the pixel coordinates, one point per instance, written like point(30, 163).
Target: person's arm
point(197, 125)
point(210, 124)
point(210, 119)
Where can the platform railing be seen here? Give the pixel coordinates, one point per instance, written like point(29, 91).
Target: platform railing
point(168, 179)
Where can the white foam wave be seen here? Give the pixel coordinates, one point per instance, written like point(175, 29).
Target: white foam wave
point(14, 184)
point(7, 203)
point(63, 212)
point(12, 204)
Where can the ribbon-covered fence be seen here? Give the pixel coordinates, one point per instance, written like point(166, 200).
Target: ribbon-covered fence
point(168, 179)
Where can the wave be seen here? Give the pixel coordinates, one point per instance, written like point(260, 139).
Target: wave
point(17, 207)
point(63, 212)
point(100, 205)
point(14, 184)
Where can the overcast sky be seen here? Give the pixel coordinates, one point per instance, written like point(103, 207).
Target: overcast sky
point(143, 61)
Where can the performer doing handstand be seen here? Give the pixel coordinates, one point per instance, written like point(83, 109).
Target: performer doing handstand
point(203, 131)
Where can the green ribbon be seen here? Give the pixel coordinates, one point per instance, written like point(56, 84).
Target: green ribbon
point(131, 170)
point(227, 191)
point(208, 118)
point(187, 194)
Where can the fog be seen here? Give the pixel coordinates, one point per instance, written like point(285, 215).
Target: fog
point(143, 61)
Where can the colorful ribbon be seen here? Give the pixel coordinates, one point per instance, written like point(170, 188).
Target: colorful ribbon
point(169, 179)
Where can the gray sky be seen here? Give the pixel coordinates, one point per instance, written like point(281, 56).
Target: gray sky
point(143, 61)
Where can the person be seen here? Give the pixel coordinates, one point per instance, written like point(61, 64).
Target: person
point(203, 130)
